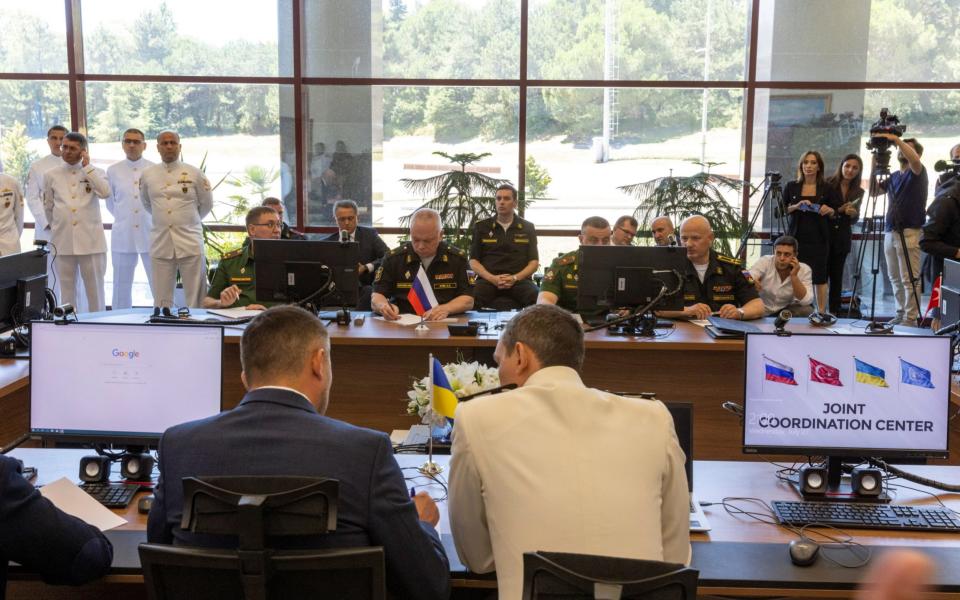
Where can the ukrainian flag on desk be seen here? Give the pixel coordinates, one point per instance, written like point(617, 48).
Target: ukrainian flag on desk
point(444, 400)
point(867, 373)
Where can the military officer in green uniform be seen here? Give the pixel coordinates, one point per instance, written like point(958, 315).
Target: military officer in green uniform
point(504, 254)
point(445, 266)
point(233, 282)
point(559, 284)
point(715, 284)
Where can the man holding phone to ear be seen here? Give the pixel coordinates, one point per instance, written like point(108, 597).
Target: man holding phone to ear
point(783, 281)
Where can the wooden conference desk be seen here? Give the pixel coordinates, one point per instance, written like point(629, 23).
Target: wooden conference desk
point(375, 363)
point(738, 556)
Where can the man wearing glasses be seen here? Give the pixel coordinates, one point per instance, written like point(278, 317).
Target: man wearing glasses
point(130, 235)
point(233, 283)
point(624, 230)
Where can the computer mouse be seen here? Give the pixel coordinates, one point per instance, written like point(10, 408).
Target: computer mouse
point(803, 553)
point(144, 504)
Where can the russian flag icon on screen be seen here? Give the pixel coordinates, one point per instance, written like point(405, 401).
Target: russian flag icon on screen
point(778, 372)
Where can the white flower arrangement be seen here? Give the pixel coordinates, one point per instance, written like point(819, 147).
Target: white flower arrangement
point(465, 378)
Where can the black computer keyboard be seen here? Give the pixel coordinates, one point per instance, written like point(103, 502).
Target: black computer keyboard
point(867, 516)
point(112, 495)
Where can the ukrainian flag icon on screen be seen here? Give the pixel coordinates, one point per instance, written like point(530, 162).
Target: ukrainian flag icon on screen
point(869, 374)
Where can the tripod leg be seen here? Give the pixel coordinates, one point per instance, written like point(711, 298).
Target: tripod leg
point(913, 293)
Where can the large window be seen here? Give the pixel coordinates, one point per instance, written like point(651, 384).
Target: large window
point(315, 100)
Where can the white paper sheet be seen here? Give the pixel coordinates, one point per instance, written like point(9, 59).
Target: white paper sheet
point(234, 313)
point(69, 498)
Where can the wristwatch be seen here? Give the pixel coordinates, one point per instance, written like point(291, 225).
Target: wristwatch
point(740, 310)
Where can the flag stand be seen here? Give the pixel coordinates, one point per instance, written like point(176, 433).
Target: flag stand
point(430, 468)
point(421, 328)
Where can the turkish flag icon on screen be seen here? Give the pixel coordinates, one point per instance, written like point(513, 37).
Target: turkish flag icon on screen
point(824, 373)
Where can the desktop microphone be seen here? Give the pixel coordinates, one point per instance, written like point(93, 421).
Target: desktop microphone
point(948, 329)
point(344, 236)
point(671, 240)
point(782, 318)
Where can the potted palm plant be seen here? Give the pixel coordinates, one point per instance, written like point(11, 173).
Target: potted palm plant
point(462, 197)
point(704, 194)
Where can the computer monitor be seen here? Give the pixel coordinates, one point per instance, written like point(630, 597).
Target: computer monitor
point(611, 277)
point(23, 283)
point(124, 384)
point(847, 396)
point(295, 270)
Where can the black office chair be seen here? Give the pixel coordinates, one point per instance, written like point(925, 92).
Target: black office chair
point(254, 510)
point(555, 575)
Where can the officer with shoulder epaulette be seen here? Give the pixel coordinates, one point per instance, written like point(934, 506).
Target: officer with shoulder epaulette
point(559, 284)
point(178, 196)
point(234, 284)
point(715, 284)
point(445, 267)
point(503, 254)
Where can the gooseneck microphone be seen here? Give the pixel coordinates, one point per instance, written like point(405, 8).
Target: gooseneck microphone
point(344, 236)
point(496, 390)
point(948, 329)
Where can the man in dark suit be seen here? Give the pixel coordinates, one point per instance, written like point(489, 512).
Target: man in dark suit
point(279, 429)
point(42, 538)
point(372, 246)
point(286, 233)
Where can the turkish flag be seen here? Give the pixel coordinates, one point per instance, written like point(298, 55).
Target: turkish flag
point(824, 373)
point(934, 298)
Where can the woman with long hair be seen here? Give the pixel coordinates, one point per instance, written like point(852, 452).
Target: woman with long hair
point(810, 206)
point(849, 193)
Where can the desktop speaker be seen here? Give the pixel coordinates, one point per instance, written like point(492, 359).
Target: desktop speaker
point(94, 469)
point(813, 480)
point(866, 481)
point(136, 467)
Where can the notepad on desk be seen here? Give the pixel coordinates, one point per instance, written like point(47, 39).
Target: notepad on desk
point(234, 313)
point(410, 320)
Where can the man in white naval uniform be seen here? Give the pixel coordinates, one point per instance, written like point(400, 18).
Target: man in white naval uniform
point(130, 239)
point(34, 197)
point(11, 215)
point(70, 194)
point(178, 196)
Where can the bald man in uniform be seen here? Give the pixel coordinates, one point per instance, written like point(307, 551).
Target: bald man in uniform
point(714, 284)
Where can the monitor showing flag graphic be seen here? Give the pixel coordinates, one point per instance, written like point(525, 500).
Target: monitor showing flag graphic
point(911, 374)
point(444, 400)
point(824, 373)
point(421, 296)
point(778, 372)
point(867, 373)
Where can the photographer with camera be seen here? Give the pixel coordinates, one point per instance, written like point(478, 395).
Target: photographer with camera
point(949, 173)
point(906, 205)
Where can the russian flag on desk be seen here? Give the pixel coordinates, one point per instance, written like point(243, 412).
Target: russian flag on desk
point(421, 295)
point(444, 400)
point(778, 372)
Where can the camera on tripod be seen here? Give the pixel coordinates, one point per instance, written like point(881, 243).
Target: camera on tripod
point(880, 146)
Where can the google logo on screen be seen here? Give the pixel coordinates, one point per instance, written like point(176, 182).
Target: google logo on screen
point(128, 354)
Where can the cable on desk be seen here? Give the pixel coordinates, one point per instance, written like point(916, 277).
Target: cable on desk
point(947, 487)
point(839, 541)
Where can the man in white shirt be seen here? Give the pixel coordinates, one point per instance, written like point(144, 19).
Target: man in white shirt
point(783, 281)
point(11, 215)
point(527, 472)
point(70, 203)
point(130, 238)
point(34, 195)
point(178, 197)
